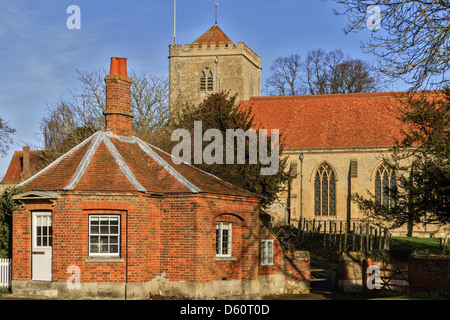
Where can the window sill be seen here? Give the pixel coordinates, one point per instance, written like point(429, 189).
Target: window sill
point(103, 260)
point(230, 258)
point(267, 265)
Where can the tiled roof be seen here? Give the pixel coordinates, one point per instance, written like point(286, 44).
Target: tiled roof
point(330, 121)
point(14, 173)
point(109, 163)
point(214, 34)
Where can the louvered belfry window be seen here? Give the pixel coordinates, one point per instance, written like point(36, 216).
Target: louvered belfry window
point(206, 80)
point(385, 184)
point(325, 191)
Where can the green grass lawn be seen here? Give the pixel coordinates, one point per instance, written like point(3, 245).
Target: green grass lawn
point(401, 247)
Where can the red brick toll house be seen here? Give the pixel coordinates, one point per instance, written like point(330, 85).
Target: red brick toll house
point(116, 218)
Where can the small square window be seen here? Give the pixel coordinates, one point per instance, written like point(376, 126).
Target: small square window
point(104, 235)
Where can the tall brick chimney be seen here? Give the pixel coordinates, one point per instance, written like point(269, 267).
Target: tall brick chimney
point(26, 168)
point(118, 99)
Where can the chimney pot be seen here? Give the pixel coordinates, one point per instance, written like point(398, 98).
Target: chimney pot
point(118, 66)
point(114, 69)
point(123, 67)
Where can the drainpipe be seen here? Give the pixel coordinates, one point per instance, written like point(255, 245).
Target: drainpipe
point(301, 157)
point(126, 255)
point(217, 76)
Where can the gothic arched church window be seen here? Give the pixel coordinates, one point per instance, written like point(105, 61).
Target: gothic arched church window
point(325, 191)
point(385, 184)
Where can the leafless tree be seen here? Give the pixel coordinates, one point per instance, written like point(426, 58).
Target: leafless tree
point(413, 42)
point(5, 136)
point(150, 104)
point(285, 76)
point(352, 76)
point(316, 71)
point(71, 120)
point(321, 72)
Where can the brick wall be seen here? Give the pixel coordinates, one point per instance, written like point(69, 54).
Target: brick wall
point(429, 274)
point(174, 236)
point(295, 266)
point(424, 274)
point(298, 266)
point(70, 237)
point(189, 226)
point(167, 243)
point(350, 271)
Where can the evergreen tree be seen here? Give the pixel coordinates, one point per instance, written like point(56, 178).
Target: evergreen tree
point(218, 111)
point(421, 160)
point(7, 206)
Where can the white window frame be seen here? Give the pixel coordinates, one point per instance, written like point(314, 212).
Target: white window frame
point(101, 234)
point(43, 230)
point(220, 228)
point(266, 252)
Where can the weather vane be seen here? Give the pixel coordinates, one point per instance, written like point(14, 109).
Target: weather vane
point(216, 4)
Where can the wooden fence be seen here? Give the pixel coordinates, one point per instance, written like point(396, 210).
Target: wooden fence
point(5, 272)
point(341, 236)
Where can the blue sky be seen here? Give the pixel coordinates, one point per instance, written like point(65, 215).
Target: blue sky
point(39, 55)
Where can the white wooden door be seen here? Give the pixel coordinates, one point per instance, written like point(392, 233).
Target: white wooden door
point(42, 241)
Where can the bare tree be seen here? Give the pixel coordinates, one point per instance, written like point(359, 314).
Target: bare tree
point(150, 104)
point(89, 100)
point(68, 122)
point(285, 76)
point(413, 43)
point(62, 129)
point(5, 136)
point(316, 71)
point(321, 72)
point(351, 76)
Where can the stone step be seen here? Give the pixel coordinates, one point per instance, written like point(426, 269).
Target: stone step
point(35, 293)
point(24, 296)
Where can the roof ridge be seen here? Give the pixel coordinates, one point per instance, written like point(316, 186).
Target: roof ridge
point(62, 157)
point(394, 94)
point(146, 148)
point(205, 172)
point(95, 140)
point(122, 164)
point(103, 137)
point(84, 162)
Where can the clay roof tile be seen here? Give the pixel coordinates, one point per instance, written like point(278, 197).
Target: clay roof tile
point(109, 163)
point(214, 34)
point(330, 121)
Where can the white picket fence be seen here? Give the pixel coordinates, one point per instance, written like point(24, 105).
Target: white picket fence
point(5, 272)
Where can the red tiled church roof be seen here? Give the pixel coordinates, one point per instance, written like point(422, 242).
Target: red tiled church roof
point(330, 121)
point(214, 34)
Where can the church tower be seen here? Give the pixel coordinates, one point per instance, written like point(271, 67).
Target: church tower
point(212, 63)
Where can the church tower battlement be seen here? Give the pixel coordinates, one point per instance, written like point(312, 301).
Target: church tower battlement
point(212, 63)
point(211, 48)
